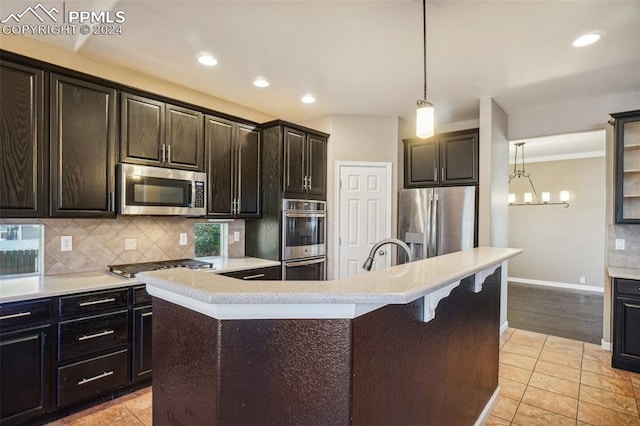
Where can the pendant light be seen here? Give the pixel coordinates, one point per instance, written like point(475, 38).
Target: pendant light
point(425, 122)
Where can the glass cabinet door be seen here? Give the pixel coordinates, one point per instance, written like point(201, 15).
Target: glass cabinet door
point(627, 134)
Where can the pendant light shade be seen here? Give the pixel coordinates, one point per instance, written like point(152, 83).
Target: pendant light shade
point(424, 119)
point(425, 113)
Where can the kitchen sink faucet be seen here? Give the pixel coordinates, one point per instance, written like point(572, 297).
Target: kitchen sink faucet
point(369, 262)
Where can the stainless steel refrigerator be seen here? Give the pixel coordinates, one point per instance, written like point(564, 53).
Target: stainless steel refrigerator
point(435, 221)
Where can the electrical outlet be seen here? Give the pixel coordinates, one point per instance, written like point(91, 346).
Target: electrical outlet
point(183, 238)
point(620, 243)
point(583, 280)
point(66, 243)
point(236, 236)
point(130, 243)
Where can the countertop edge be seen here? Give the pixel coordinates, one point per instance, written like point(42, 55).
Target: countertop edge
point(626, 273)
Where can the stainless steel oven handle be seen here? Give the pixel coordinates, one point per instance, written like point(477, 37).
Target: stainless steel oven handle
point(304, 262)
point(291, 214)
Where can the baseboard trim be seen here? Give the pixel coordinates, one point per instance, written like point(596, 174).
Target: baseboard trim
point(504, 327)
point(557, 284)
point(605, 345)
point(488, 408)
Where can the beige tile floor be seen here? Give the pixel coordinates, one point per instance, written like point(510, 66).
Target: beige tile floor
point(548, 380)
point(544, 380)
point(133, 409)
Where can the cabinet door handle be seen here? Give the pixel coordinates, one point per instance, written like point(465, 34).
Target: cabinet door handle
point(111, 202)
point(304, 183)
point(98, 302)
point(93, 336)
point(309, 183)
point(237, 205)
point(168, 153)
point(18, 315)
point(98, 377)
point(253, 277)
point(164, 146)
point(435, 173)
point(442, 175)
point(147, 314)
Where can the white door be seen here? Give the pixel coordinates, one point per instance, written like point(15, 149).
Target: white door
point(364, 215)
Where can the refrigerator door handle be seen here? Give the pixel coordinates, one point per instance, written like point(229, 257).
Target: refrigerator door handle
point(434, 226)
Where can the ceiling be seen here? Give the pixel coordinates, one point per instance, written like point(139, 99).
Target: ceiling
point(365, 56)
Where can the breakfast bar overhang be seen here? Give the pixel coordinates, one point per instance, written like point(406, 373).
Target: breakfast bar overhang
point(412, 344)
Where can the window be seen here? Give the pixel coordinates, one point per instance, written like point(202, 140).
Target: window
point(211, 239)
point(21, 249)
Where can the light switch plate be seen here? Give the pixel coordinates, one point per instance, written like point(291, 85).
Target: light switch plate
point(130, 243)
point(236, 236)
point(620, 243)
point(183, 238)
point(66, 243)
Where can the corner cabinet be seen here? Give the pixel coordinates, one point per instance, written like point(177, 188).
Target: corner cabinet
point(627, 144)
point(444, 159)
point(158, 134)
point(301, 155)
point(83, 148)
point(233, 152)
point(22, 146)
point(626, 320)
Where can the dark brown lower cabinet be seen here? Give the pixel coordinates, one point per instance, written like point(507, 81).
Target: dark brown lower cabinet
point(270, 273)
point(626, 335)
point(142, 330)
point(24, 373)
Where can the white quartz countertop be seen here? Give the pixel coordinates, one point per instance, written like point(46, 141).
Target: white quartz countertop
point(40, 286)
point(628, 273)
point(399, 284)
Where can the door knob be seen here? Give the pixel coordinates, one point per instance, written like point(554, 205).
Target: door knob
point(382, 253)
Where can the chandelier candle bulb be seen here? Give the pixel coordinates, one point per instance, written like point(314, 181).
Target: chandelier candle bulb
point(546, 197)
point(564, 196)
point(528, 197)
point(512, 198)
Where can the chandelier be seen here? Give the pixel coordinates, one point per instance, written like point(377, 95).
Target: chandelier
point(545, 200)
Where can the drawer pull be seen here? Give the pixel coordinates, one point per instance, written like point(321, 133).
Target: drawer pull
point(98, 377)
point(18, 315)
point(253, 277)
point(93, 336)
point(97, 302)
point(147, 314)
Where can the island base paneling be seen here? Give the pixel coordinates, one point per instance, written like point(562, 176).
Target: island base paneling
point(384, 367)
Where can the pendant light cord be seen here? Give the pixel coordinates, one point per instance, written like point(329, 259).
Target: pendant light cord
point(424, 39)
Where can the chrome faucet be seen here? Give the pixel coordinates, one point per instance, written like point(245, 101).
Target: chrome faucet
point(369, 262)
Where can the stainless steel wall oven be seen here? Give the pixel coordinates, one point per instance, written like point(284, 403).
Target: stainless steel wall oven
point(304, 234)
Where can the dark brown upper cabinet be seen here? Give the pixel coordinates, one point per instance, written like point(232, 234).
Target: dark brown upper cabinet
point(22, 145)
point(444, 159)
point(233, 153)
point(154, 133)
point(82, 148)
point(305, 164)
point(627, 145)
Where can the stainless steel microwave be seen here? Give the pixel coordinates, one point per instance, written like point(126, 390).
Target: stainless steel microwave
point(145, 190)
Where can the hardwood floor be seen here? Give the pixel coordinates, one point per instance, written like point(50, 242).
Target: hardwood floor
point(574, 314)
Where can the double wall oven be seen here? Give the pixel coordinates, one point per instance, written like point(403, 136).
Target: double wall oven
point(304, 234)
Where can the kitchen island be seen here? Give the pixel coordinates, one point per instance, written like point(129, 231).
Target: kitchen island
point(411, 344)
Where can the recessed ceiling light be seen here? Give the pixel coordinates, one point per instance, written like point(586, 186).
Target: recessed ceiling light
point(308, 98)
point(586, 40)
point(260, 82)
point(206, 59)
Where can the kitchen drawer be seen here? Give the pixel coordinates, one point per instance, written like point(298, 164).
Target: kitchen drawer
point(89, 378)
point(140, 295)
point(20, 313)
point(628, 287)
point(87, 335)
point(271, 273)
point(87, 303)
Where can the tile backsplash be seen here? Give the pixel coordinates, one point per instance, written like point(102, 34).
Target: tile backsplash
point(98, 243)
point(630, 256)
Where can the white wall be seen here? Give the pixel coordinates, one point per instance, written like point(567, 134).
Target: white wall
point(561, 244)
point(357, 138)
point(493, 214)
